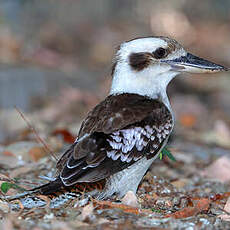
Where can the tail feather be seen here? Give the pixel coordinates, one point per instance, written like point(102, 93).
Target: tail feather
point(56, 187)
point(49, 188)
point(45, 189)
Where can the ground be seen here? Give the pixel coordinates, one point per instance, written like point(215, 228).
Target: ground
point(192, 191)
point(55, 66)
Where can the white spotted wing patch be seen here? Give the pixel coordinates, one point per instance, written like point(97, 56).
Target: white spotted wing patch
point(135, 142)
point(117, 132)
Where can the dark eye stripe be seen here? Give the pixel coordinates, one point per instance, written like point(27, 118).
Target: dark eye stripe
point(139, 61)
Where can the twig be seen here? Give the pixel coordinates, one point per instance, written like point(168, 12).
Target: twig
point(38, 138)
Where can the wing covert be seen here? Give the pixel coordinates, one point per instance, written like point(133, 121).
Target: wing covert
point(125, 130)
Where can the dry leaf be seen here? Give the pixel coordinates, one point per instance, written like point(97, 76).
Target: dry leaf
point(226, 217)
point(188, 120)
point(36, 153)
point(219, 169)
point(180, 183)
point(67, 136)
point(25, 150)
point(200, 206)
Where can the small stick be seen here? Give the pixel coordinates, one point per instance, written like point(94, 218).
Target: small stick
point(38, 138)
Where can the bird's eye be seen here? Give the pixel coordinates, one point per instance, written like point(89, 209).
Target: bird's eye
point(160, 53)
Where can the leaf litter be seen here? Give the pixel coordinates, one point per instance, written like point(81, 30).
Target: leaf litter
point(159, 199)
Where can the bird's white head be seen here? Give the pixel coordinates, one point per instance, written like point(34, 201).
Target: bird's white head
point(146, 65)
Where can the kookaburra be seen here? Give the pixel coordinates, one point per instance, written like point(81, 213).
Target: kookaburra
point(121, 137)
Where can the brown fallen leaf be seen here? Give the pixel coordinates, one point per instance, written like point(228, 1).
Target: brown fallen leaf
point(67, 136)
point(126, 208)
point(226, 216)
point(37, 152)
point(25, 150)
point(201, 205)
point(219, 169)
point(109, 204)
point(188, 120)
point(8, 153)
point(218, 196)
point(180, 183)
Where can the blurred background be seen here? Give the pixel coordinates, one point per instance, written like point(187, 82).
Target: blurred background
point(56, 61)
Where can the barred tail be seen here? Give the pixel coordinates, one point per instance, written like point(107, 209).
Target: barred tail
point(56, 187)
point(46, 189)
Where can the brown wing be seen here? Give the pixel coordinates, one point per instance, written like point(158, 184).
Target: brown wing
point(116, 133)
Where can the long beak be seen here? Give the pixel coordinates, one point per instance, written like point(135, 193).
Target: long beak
point(193, 64)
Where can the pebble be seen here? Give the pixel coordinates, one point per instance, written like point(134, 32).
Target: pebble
point(130, 199)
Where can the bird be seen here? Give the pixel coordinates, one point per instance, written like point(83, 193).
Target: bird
point(121, 136)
